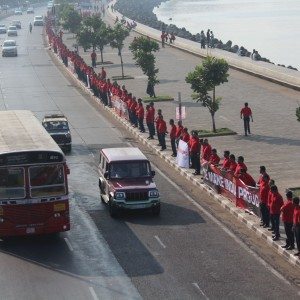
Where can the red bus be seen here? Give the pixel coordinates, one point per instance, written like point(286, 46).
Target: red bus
point(33, 178)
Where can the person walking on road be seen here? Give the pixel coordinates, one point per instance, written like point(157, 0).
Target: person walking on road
point(246, 114)
point(296, 223)
point(30, 27)
point(287, 212)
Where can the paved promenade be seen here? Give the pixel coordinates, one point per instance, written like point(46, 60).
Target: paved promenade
point(276, 138)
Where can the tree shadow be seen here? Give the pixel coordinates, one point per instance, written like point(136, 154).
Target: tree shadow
point(118, 65)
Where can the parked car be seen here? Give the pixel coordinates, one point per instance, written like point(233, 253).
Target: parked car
point(3, 29)
point(12, 31)
point(18, 11)
point(30, 10)
point(38, 21)
point(58, 127)
point(126, 181)
point(9, 48)
point(17, 24)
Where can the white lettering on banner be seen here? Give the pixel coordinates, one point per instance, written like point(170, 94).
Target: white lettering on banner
point(248, 196)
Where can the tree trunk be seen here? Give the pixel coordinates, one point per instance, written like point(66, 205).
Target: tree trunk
point(213, 121)
point(122, 64)
point(101, 52)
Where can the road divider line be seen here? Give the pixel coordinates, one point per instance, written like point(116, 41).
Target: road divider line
point(160, 242)
point(69, 244)
point(93, 293)
point(196, 285)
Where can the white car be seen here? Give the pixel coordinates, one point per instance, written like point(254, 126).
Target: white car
point(2, 29)
point(9, 48)
point(38, 21)
point(12, 31)
point(30, 10)
point(17, 24)
point(18, 11)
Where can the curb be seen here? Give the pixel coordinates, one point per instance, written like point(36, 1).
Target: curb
point(225, 203)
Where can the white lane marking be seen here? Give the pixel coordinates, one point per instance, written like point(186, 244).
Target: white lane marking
point(68, 244)
point(226, 119)
point(160, 242)
point(93, 293)
point(233, 236)
point(196, 285)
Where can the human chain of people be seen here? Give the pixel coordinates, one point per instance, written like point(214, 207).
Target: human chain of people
point(201, 155)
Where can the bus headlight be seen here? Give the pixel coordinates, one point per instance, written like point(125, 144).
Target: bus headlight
point(1, 220)
point(153, 194)
point(120, 195)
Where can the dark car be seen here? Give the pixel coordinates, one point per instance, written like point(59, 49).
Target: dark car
point(58, 127)
point(126, 181)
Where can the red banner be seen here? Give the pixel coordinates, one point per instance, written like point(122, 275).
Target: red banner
point(225, 183)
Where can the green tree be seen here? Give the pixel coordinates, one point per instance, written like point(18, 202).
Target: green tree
point(298, 113)
point(142, 49)
point(204, 79)
point(103, 38)
point(70, 18)
point(117, 38)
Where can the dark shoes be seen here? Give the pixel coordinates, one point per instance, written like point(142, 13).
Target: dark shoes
point(265, 226)
point(162, 149)
point(196, 173)
point(297, 254)
point(285, 246)
point(174, 155)
point(275, 238)
point(290, 248)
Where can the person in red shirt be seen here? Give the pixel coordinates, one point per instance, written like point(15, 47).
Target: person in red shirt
point(103, 73)
point(140, 115)
point(246, 178)
point(287, 212)
point(226, 162)
point(173, 137)
point(179, 131)
point(246, 114)
point(132, 110)
point(214, 158)
point(264, 188)
point(296, 223)
point(240, 165)
point(185, 135)
point(233, 163)
point(161, 132)
point(206, 150)
point(194, 149)
point(94, 59)
point(150, 120)
point(276, 203)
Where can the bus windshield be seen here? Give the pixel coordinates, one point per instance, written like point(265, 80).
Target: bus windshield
point(12, 183)
point(47, 180)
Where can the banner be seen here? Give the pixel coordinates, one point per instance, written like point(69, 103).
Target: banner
point(183, 157)
point(231, 187)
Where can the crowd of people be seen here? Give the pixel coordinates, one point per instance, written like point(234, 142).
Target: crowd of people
point(201, 153)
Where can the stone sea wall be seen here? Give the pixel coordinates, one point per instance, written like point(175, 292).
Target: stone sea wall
point(142, 12)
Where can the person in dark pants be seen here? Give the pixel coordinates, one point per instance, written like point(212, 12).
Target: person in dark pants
point(140, 115)
point(194, 148)
point(276, 203)
point(94, 59)
point(296, 223)
point(161, 132)
point(246, 114)
point(173, 137)
point(150, 120)
point(264, 188)
point(287, 212)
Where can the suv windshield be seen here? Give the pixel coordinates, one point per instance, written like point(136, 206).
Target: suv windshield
point(9, 44)
point(12, 184)
point(129, 169)
point(56, 125)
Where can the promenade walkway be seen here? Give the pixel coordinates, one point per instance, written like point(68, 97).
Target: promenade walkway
point(275, 142)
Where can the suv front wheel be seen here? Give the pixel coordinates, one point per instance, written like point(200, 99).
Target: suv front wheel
point(113, 211)
point(156, 210)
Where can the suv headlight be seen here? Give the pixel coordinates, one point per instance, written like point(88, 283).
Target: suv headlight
point(153, 194)
point(120, 195)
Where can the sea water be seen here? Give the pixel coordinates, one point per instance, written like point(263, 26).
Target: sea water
point(269, 26)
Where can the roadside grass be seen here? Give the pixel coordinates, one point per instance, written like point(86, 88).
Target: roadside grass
point(161, 98)
point(220, 132)
point(126, 77)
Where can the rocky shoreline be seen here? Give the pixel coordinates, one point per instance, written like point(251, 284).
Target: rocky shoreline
point(142, 12)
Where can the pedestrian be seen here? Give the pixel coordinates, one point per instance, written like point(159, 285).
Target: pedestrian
point(194, 149)
point(246, 114)
point(206, 150)
point(214, 157)
point(233, 163)
point(287, 212)
point(150, 120)
point(103, 73)
point(296, 223)
point(208, 38)
point(94, 59)
point(173, 137)
point(264, 188)
point(30, 27)
point(276, 203)
point(161, 132)
point(212, 44)
point(178, 131)
point(240, 165)
point(140, 115)
point(226, 162)
point(132, 108)
point(185, 136)
point(202, 39)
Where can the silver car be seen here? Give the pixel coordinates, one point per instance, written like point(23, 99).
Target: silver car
point(12, 31)
point(9, 48)
point(2, 29)
point(38, 21)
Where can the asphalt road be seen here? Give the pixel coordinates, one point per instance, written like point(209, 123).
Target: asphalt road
point(183, 254)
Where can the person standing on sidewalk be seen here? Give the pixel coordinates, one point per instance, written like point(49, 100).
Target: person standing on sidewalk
point(150, 120)
point(246, 114)
point(173, 137)
point(178, 132)
point(140, 115)
point(275, 206)
point(287, 212)
point(264, 188)
point(296, 223)
point(161, 132)
point(94, 59)
point(194, 148)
